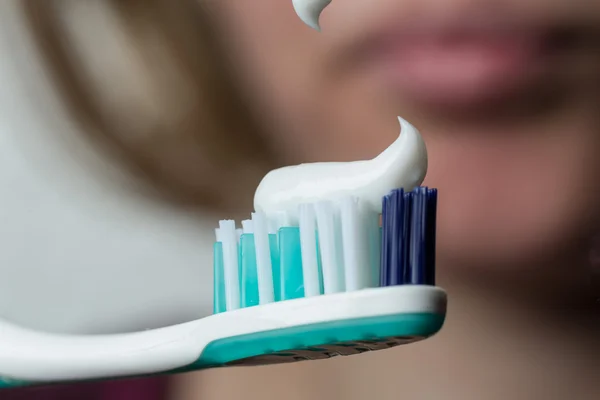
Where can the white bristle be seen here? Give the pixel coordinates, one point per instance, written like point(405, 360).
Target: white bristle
point(374, 239)
point(330, 245)
point(348, 240)
point(308, 246)
point(263, 258)
point(272, 225)
point(357, 263)
point(283, 219)
point(247, 226)
point(230, 264)
point(218, 235)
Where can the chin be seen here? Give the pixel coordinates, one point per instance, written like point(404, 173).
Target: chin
point(515, 214)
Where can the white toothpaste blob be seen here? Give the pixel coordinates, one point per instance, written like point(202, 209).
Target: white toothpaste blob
point(402, 165)
point(309, 11)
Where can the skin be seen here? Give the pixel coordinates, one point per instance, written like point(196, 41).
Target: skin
point(519, 205)
point(321, 102)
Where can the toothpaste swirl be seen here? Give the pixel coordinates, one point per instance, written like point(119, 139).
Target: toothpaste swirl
point(309, 11)
point(402, 165)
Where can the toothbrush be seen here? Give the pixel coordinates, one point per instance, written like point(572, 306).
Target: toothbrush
point(301, 280)
point(318, 308)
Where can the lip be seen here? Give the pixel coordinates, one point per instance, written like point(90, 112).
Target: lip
point(461, 65)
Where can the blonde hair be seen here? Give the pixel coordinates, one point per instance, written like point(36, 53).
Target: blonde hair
point(148, 82)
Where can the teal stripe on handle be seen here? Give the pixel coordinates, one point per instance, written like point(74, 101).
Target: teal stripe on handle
point(249, 275)
point(219, 279)
point(292, 280)
point(410, 327)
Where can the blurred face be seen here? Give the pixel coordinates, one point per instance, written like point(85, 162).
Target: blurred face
point(505, 92)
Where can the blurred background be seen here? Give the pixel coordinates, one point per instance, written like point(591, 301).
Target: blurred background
point(129, 128)
point(89, 252)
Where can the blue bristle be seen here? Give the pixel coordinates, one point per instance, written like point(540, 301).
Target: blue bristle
point(385, 242)
point(431, 235)
point(408, 237)
point(416, 244)
point(396, 208)
point(396, 224)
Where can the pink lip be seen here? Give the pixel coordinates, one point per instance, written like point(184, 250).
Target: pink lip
point(457, 67)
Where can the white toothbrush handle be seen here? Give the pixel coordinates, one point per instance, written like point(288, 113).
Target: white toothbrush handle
point(38, 357)
point(28, 355)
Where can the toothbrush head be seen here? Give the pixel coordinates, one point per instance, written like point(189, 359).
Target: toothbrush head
point(337, 283)
point(408, 237)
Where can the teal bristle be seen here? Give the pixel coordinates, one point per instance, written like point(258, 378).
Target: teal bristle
point(290, 259)
point(276, 266)
point(286, 253)
point(218, 279)
point(319, 264)
point(249, 278)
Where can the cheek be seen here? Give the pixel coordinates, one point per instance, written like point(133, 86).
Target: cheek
point(262, 38)
point(514, 201)
point(274, 56)
point(309, 110)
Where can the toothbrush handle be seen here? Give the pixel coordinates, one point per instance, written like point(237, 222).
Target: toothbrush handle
point(30, 357)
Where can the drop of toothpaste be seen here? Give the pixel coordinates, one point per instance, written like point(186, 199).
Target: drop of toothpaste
point(309, 11)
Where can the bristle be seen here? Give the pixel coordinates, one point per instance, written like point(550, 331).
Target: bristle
point(275, 266)
point(408, 237)
point(218, 235)
point(329, 228)
point(249, 279)
point(247, 226)
point(416, 249)
point(281, 219)
point(386, 241)
point(335, 247)
point(374, 237)
point(395, 234)
point(308, 245)
point(406, 234)
point(431, 230)
point(290, 263)
point(263, 258)
point(272, 225)
point(355, 238)
point(230, 263)
point(219, 301)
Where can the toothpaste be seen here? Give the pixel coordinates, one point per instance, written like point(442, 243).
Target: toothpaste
point(309, 11)
point(402, 165)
